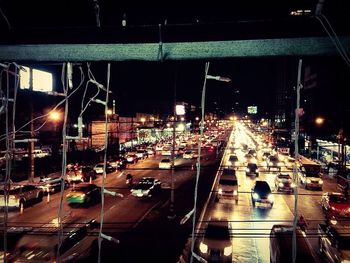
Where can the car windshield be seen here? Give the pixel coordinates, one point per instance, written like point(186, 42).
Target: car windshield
point(79, 189)
point(227, 171)
point(252, 165)
point(262, 187)
point(227, 182)
point(165, 161)
point(273, 159)
point(143, 185)
point(233, 158)
point(188, 152)
point(13, 191)
point(284, 176)
point(99, 166)
point(340, 199)
point(215, 231)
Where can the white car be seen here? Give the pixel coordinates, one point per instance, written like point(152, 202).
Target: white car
point(146, 187)
point(188, 155)
point(165, 164)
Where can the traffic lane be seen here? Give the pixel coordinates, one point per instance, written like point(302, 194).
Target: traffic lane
point(114, 182)
point(250, 226)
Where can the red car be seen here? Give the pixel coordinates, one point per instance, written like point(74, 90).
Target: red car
point(335, 205)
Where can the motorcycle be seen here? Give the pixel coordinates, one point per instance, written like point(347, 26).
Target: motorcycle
point(129, 180)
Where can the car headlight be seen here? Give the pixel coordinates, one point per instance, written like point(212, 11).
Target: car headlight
point(255, 196)
point(280, 184)
point(270, 198)
point(146, 192)
point(257, 170)
point(280, 164)
point(320, 182)
point(229, 163)
point(220, 191)
point(292, 185)
point(247, 170)
point(203, 248)
point(332, 207)
point(228, 250)
point(235, 192)
point(236, 163)
point(308, 181)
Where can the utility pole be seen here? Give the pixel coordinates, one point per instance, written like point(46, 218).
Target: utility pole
point(31, 142)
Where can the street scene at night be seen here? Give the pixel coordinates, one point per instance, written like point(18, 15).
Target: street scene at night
point(174, 132)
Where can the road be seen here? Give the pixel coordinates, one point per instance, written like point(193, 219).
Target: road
point(251, 226)
point(121, 215)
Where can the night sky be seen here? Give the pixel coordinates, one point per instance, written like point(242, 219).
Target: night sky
point(151, 86)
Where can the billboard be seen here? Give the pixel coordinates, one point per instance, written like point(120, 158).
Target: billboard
point(42, 80)
point(252, 109)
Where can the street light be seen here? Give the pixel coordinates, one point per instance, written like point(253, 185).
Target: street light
point(54, 116)
point(319, 120)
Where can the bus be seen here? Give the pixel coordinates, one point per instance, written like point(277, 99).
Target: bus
point(309, 173)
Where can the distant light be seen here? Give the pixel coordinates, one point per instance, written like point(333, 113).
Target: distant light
point(181, 127)
point(197, 118)
point(180, 110)
point(182, 118)
point(319, 120)
point(54, 116)
point(142, 119)
point(109, 112)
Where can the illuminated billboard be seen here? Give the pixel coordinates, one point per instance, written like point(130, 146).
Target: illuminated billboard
point(252, 109)
point(180, 110)
point(42, 80)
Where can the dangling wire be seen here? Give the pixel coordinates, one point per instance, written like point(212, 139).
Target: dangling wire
point(100, 236)
point(64, 164)
point(199, 160)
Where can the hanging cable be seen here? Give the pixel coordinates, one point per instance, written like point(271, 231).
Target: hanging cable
point(97, 13)
point(6, 19)
point(295, 172)
point(199, 161)
point(335, 40)
point(101, 236)
point(64, 164)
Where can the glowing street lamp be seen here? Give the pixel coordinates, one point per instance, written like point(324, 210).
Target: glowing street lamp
point(319, 120)
point(109, 112)
point(55, 116)
point(143, 120)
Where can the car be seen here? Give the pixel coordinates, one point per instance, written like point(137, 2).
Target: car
point(165, 164)
point(261, 193)
point(20, 196)
point(233, 160)
point(100, 166)
point(146, 187)
point(334, 241)
point(248, 158)
point(265, 155)
point(150, 151)
point(166, 151)
point(335, 205)
point(141, 154)
point(284, 183)
point(118, 163)
point(84, 194)
point(227, 187)
point(81, 174)
point(281, 242)
point(216, 243)
point(131, 158)
point(252, 152)
point(273, 163)
point(187, 155)
point(289, 162)
point(252, 169)
point(52, 184)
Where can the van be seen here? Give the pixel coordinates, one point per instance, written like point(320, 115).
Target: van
point(227, 187)
point(281, 243)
